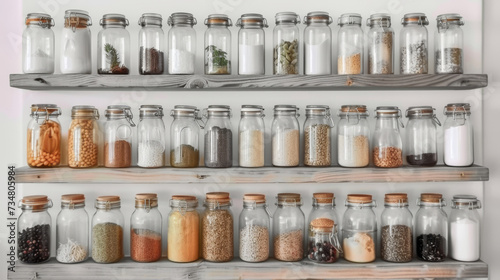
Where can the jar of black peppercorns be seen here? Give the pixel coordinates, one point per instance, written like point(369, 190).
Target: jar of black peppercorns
point(34, 225)
point(324, 245)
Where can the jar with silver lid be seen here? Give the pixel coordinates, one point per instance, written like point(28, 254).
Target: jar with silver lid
point(151, 137)
point(76, 50)
point(181, 43)
point(285, 136)
point(184, 136)
point(286, 44)
point(251, 136)
point(151, 48)
point(218, 45)
point(118, 136)
point(353, 134)
point(431, 228)
point(413, 44)
point(458, 135)
point(318, 44)
point(380, 44)
point(72, 230)
point(251, 44)
point(350, 45)
point(317, 136)
point(113, 45)
point(44, 136)
point(38, 44)
point(465, 228)
point(448, 44)
point(218, 137)
point(107, 230)
point(421, 136)
point(387, 144)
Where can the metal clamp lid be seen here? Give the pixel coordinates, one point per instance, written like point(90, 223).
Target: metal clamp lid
point(289, 17)
point(120, 111)
point(113, 19)
point(391, 111)
point(415, 18)
point(77, 19)
point(151, 111)
point(252, 20)
point(181, 18)
point(318, 17)
point(463, 200)
point(286, 108)
point(45, 110)
point(150, 19)
point(320, 110)
point(85, 111)
point(40, 19)
point(252, 109)
point(349, 18)
point(380, 19)
point(422, 111)
point(444, 21)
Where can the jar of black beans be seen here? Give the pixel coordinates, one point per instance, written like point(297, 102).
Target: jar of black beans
point(431, 228)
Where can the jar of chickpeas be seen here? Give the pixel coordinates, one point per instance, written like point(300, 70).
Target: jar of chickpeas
point(44, 136)
point(83, 137)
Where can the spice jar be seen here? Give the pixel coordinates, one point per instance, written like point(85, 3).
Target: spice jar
point(218, 45)
point(323, 209)
point(72, 237)
point(251, 136)
point(151, 137)
point(465, 227)
point(286, 44)
point(317, 44)
point(251, 44)
point(380, 44)
point(76, 50)
point(350, 45)
point(34, 229)
point(448, 44)
point(458, 135)
point(181, 43)
point(286, 136)
point(83, 137)
point(421, 138)
point(118, 136)
point(217, 228)
point(183, 229)
point(396, 243)
point(353, 135)
point(44, 136)
point(145, 229)
point(107, 230)
point(151, 38)
point(431, 228)
point(359, 228)
point(323, 206)
point(218, 136)
point(413, 44)
point(184, 136)
point(38, 44)
point(317, 136)
point(288, 228)
point(113, 45)
point(255, 229)
point(323, 243)
point(387, 144)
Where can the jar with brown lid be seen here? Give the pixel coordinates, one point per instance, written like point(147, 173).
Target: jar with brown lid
point(145, 229)
point(387, 144)
point(83, 137)
point(107, 230)
point(353, 134)
point(323, 206)
point(118, 136)
point(183, 229)
point(431, 228)
point(44, 136)
point(218, 45)
point(288, 228)
point(76, 41)
point(254, 228)
point(72, 230)
point(323, 243)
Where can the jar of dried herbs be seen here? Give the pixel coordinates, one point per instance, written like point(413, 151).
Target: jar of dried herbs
point(413, 44)
point(38, 44)
point(286, 44)
point(380, 44)
point(145, 229)
point(113, 45)
point(44, 136)
point(251, 44)
point(181, 43)
point(118, 136)
point(107, 230)
point(448, 44)
point(151, 137)
point(218, 45)
point(184, 136)
point(72, 230)
point(218, 137)
point(350, 45)
point(83, 137)
point(151, 49)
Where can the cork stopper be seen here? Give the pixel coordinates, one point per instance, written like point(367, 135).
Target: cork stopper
point(183, 201)
point(183, 197)
point(322, 224)
point(353, 108)
point(146, 200)
point(221, 197)
point(396, 198)
point(108, 198)
point(288, 197)
point(73, 198)
point(323, 197)
point(35, 202)
point(431, 197)
point(254, 197)
point(359, 198)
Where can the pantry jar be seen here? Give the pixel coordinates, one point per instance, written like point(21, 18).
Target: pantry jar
point(184, 136)
point(353, 134)
point(107, 230)
point(151, 137)
point(145, 229)
point(387, 144)
point(421, 136)
point(458, 135)
point(183, 229)
point(118, 136)
point(151, 49)
point(218, 45)
point(44, 136)
point(113, 45)
point(251, 136)
point(181, 43)
point(350, 45)
point(431, 228)
point(288, 228)
point(72, 234)
point(448, 44)
point(83, 137)
point(286, 136)
point(38, 44)
point(34, 229)
point(218, 137)
point(465, 228)
point(76, 42)
point(380, 44)
point(323, 242)
point(323, 207)
point(317, 136)
point(251, 44)
point(318, 44)
point(255, 228)
point(413, 44)
point(286, 44)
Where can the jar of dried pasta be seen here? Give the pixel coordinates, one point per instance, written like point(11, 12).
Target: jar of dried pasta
point(83, 137)
point(44, 136)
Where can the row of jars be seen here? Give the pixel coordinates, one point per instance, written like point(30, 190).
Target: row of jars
point(114, 44)
point(210, 236)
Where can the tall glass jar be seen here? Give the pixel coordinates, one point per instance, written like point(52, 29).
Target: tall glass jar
point(184, 136)
point(448, 44)
point(72, 238)
point(421, 136)
point(44, 136)
point(251, 44)
point(34, 229)
point(413, 44)
point(113, 45)
point(145, 229)
point(350, 45)
point(458, 135)
point(318, 44)
point(323, 242)
point(251, 136)
point(288, 228)
point(380, 44)
point(151, 137)
point(286, 44)
point(465, 228)
point(218, 137)
point(387, 144)
point(353, 134)
point(323, 206)
point(76, 43)
point(38, 44)
point(218, 45)
point(181, 43)
point(83, 137)
point(255, 228)
point(286, 136)
point(107, 230)
point(431, 228)
point(317, 136)
point(118, 136)
point(151, 49)
point(183, 229)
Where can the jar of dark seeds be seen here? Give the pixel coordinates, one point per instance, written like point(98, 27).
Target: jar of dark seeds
point(151, 48)
point(413, 44)
point(107, 230)
point(380, 44)
point(254, 229)
point(323, 243)
point(286, 44)
point(431, 228)
point(288, 228)
point(317, 136)
point(218, 137)
point(387, 144)
point(421, 136)
point(448, 44)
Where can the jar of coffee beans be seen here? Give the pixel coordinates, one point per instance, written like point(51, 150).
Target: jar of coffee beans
point(431, 228)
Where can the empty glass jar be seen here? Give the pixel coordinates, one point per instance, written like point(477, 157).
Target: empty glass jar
point(76, 43)
point(251, 136)
point(317, 136)
point(251, 44)
point(286, 44)
point(107, 230)
point(151, 137)
point(288, 228)
point(380, 44)
point(353, 134)
point(218, 45)
point(458, 135)
point(286, 136)
point(255, 228)
point(218, 137)
point(421, 136)
point(181, 43)
point(83, 137)
point(151, 49)
point(448, 44)
point(113, 45)
point(184, 136)
point(431, 228)
point(72, 230)
point(413, 44)
point(44, 136)
point(118, 136)
point(387, 144)
point(465, 228)
point(38, 44)
point(183, 229)
point(145, 229)
point(317, 44)
point(350, 45)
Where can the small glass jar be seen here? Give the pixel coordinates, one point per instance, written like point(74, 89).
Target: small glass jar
point(387, 144)
point(38, 44)
point(218, 137)
point(107, 230)
point(184, 136)
point(350, 45)
point(465, 228)
point(145, 229)
point(413, 44)
point(353, 134)
point(323, 242)
point(34, 229)
point(255, 229)
point(183, 229)
point(217, 228)
point(380, 44)
point(458, 135)
point(431, 228)
point(317, 136)
point(448, 44)
point(323, 206)
point(288, 228)
point(151, 137)
point(72, 225)
point(251, 44)
point(286, 44)
point(113, 45)
point(118, 136)
point(286, 136)
point(359, 228)
point(421, 136)
point(218, 45)
point(44, 136)
point(318, 44)
point(251, 136)
point(83, 137)
point(181, 43)
point(76, 43)
point(151, 48)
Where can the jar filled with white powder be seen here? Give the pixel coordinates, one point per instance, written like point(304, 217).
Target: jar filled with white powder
point(318, 44)
point(181, 43)
point(465, 228)
point(353, 134)
point(286, 136)
point(151, 137)
point(251, 136)
point(458, 135)
point(38, 44)
point(251, 44)
point(76, 56)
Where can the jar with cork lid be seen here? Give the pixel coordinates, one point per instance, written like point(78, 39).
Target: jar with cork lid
point(145, 229)
point(465, 228)
point(350, 45)
point(218, 45)
point(448, 44)
point(458, 135)
point(72, 233)
point(251, 136)
point(323, 206)
point(317, 136)
point(288, 228)
point(151, 44)
point(113, 45)
point(317, 44)
point(387, 144)
point(118, 136)
point(83, 137)
point(286, 44)
point(431, 228)
point(323, 243)
point(44, 136)
point(380, 44)
point(218, 137)
point(38, 44)
point(184, 136)
point(353, 134)
point(255, 228)
point(107, 230)
point(285, 136)
point(413, 44)
point(151, 137)
point(76, 43)
point(183, 229)
point(251, 44)
point(181, 43)
point(421, 136)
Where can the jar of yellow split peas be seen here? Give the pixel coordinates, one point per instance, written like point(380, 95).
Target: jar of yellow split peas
point(83, 137)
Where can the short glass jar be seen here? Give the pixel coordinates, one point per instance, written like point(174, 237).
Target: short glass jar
point(448, 44)
point(107, 230)
point(181, 43)
point(251, 44)
point(323, 242)
point(151, 137)
point(151, 48)
point(72, 238)
point(251, 133)
point(431, 228)
point(288, 228)
point(317, 44)
point(286, 44)
point(458, 135)
point(218, 137)
point(286, 136)
point(83, 137)
point(413, 44)
point(317, 136)
point(118, 136)
point(183, 229)
point(353, 134)
point(184, 136)
point(421, 136)
point(218, 45)
point(255, 228)
point(387, 144)
point(350, 45)
point(465, 228)
point(145, 229)
point(38, 44)
point(380, 44)
point(44, 136)
point(113, 45)
point(76, 43)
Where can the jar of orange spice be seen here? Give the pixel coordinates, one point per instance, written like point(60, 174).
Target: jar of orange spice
point(183, 229)
point(44, 136)
point(145, 229)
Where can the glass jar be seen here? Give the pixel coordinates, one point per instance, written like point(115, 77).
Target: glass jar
point(181, 43)
point(458, 135)
point(118, 136)
point(413, 44)
point(34, 229)
point(38, 44)
point(218, 136)
point(350, 45)
point(286, 136)
point(318, 44)
point(113, 45)
point(359, 228)
point(183, 229)
point(323, 242)
point(83, 137)
point(72, 239)
point(76, 43)
point(251, 136)
point(107, 230)
point(431, 228)
point(448, 44)
point(396, 243)
point(184, 136)
point(151, 137)
point(317, 136)
point(251, 44)
point(323, 207)
point(44, 136)
point(465, 228)
point(286, 44)
point(387, 144)
point(151, 49)
point(217, 228)
point(288, 228)
point(353, 135)
point(145, 229)
point(380, 44)
point(421, 136)
point(255, 228)
point(218, 45)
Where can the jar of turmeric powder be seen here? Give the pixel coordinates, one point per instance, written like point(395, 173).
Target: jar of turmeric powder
point(44, 136)
point(183, 229)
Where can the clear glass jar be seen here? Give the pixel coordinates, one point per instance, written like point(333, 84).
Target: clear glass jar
point(421, 136)
point(465, 228)
point(387, 144)
point(317, 136)
point(286, 44)
point(359, 228)
point(118, 136)
point(44, 136)
point(107, 230)
point(184, 136)
point(431, 228)
point(350, 45)
point(183, 229)
point(353, 134)
point(113, 45)
point(38, 44)
point(255, 228)
point(34, 229)
point(218, 45)
point(458, 135)
point(251, 44)
point(151, 48)
point(323, 242)
point(145, 229)
point(181, 43)
point(286, 136)
point(72, 239)
point(288, 228)
point(323, 207)
point(76, 43)
point(413, 44)
point(380, 44)
point(396, 243)
point(83, 137)
point(448, 44)
point(318, 44)
point(251, 136)
point(218, 136)
point(151, 137)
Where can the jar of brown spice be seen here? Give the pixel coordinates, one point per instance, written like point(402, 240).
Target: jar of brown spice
point(118, 136)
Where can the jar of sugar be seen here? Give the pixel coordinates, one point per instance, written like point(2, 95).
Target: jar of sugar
point(318, 44)
point(181, 43)
point(458, 135)
point(151, 137)
point(76, 56)
point(251, 44)
point(465, 226)
point(38, 44)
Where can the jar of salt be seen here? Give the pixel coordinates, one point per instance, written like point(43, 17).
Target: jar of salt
point(151, 137)
point(318, 44)
point(465, 227)
point(251, 44)
point(38, 44)
point(181, 43)
point(76, 55)
point(458, 135)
